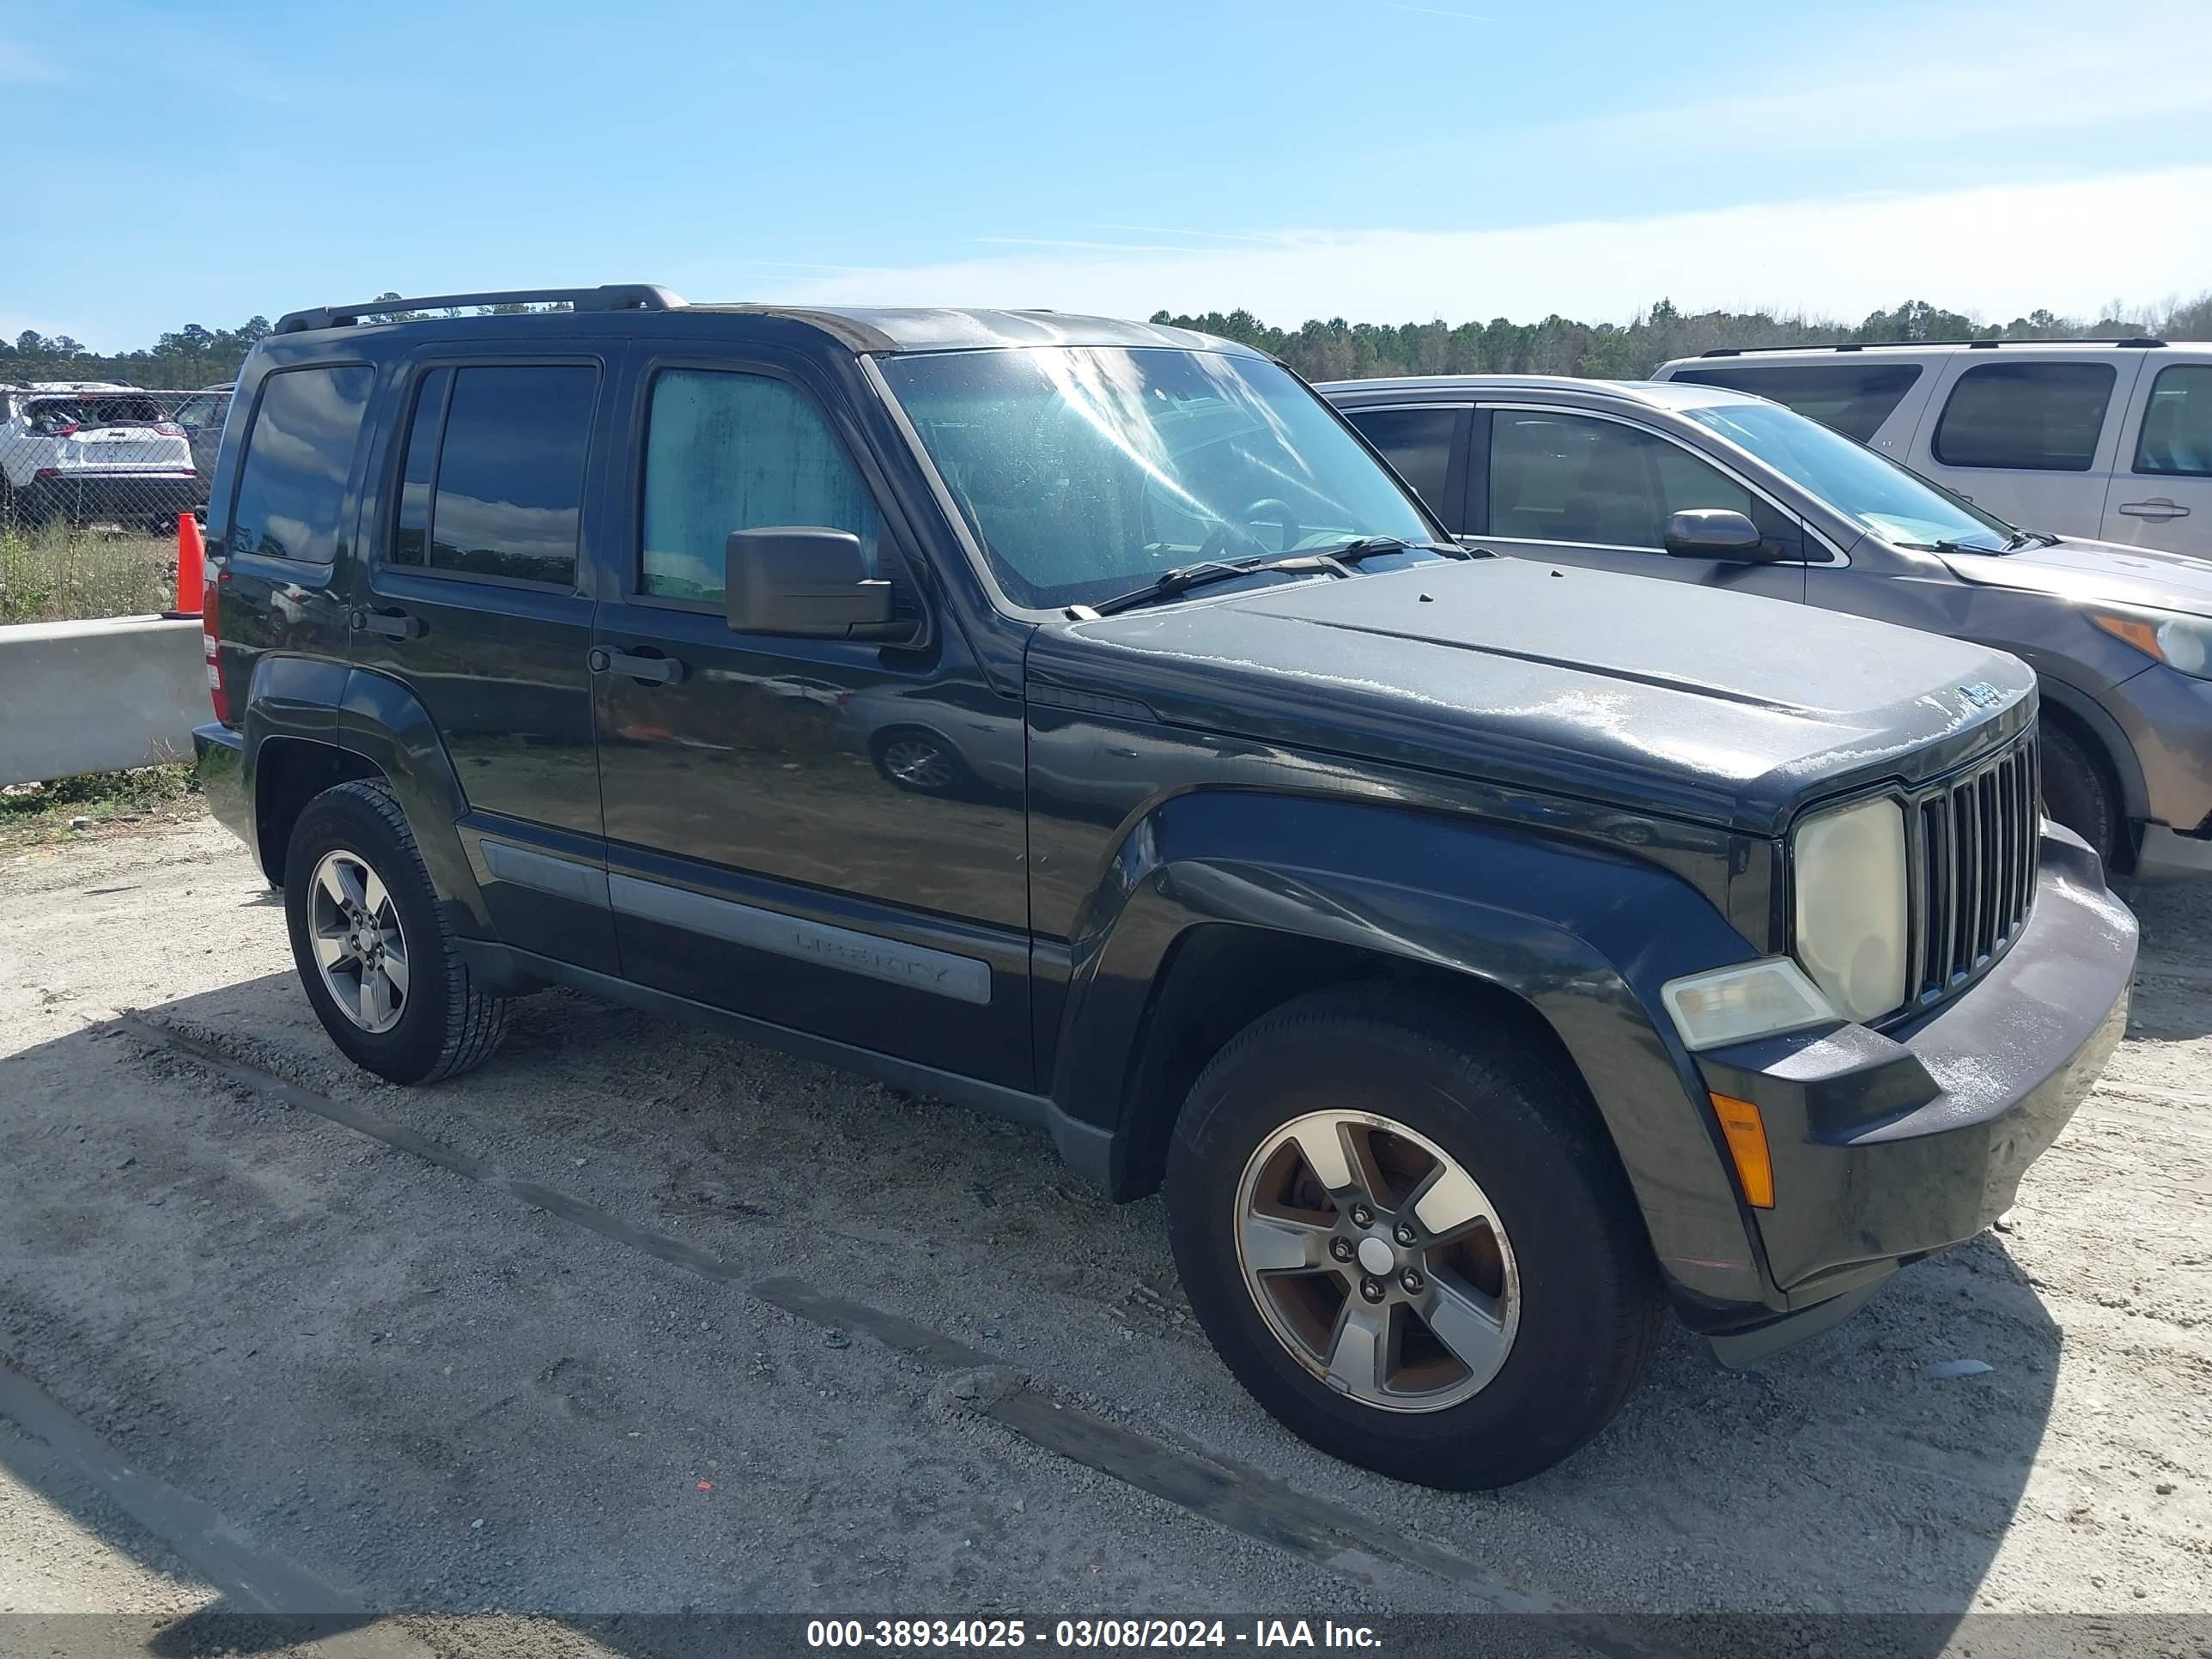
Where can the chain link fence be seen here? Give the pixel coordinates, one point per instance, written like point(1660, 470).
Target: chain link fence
point(92, 477)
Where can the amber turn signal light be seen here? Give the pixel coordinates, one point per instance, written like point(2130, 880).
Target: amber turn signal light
point(1745, 1132)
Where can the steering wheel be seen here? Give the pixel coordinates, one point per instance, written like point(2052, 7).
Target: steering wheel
point(1268, 508)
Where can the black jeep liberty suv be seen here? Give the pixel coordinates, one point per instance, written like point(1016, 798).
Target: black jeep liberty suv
point(1077, 720)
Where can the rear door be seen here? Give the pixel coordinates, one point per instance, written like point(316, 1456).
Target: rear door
point(478, 601)
point(2160, 495)
point(1585, 489)
point(827, 835)
point(2032, 436)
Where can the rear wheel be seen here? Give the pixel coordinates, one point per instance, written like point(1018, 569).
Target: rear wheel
point(2078, 792)
point(378, 959)
point(1409, 1239)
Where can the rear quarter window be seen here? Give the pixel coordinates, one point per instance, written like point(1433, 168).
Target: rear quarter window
point(2031, 417)
point(1852, 398)
point(292, 483)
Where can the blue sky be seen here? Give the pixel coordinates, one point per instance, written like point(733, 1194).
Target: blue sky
point(1377, 159)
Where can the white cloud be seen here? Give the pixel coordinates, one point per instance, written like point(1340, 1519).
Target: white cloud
point(2000, 250)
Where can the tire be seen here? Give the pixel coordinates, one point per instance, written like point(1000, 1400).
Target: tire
point(431, 1021)
point(2078, 792)
point(1566, 1264)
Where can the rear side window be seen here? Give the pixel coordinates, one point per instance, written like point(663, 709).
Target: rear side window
point(726, 451)
point(2036, 417)
point(2177, 427)
point(299, 456)
point(1418, 442)
point(492, 487)
point(1853, 398)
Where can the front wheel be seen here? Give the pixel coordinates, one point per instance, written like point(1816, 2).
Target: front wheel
point(1409, 1239)
point(375, 954)
point(2078, 792)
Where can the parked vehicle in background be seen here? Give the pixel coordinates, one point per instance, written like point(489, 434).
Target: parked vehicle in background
point(1476, 954)
point(1701, 484)
point(202, 415)
point(2108, 440)
point(91, 452)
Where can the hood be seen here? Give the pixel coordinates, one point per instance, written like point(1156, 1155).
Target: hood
point(2096, 570)
point(1640, 693)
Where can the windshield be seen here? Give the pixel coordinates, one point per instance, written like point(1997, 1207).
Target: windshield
point(1895, 504)
point(1084, 470)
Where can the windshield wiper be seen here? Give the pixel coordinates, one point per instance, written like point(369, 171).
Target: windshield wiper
point(2021, 538)
point(1168, 583)
point(1363, 546)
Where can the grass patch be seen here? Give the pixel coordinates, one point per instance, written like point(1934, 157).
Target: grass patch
point(31, 813)
point(50, 573)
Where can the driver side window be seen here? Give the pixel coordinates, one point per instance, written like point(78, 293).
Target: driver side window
point(1574, 478)
point(726, 451)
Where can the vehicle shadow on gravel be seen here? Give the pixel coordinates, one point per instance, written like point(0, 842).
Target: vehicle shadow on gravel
point(1867, 1470)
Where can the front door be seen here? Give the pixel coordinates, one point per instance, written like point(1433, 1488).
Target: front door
point(2160, 495)
point(1590, 489)
point(826, 834)
point(475, 602)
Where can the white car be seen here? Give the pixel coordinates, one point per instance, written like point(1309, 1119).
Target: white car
point(91, 452)
point(2109, 440)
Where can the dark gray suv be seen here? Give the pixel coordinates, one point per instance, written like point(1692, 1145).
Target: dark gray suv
point(1717, 487)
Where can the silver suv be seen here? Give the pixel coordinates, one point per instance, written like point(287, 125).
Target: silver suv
point(1701, 484)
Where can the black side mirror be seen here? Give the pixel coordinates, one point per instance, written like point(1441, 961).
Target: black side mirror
point(811, 582)
point(1714, 533)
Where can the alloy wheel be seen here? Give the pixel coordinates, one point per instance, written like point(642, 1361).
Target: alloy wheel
point(1377, 1260)
point(359, 945)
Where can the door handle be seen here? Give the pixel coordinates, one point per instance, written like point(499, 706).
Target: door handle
point(654, 670)
point(2158, 508)
point(392, 624)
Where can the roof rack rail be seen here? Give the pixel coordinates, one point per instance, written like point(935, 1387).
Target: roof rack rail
point(2143, 340)
point(612, 296)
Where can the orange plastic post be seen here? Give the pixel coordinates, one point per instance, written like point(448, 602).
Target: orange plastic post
point(191, 554)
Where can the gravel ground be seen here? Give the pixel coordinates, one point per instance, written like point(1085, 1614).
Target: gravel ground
point(375, 1375)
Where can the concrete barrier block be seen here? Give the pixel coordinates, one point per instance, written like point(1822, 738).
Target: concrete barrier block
point(98, 696)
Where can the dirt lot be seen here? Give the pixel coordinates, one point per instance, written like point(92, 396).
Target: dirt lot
point(637, 1319)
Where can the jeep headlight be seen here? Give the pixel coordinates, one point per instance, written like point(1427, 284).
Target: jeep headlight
point(1850, 885)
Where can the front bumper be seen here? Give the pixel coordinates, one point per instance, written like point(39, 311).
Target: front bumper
point(127, 497)
point(1888, 1146)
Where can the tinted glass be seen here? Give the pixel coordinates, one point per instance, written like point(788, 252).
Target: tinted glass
point(1418, 443)
point(299, 454)
point(1899, 507)
point(411, 538)
point(1558, 477)
point(2042, 417)
point(1086, 471)
point(729, 451)
point(511, 473)
point(1853, 397)
point(2177, 428)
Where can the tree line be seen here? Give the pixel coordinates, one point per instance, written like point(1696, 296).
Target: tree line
point(1335, 349)
point(1339, 350)
point(190, 357)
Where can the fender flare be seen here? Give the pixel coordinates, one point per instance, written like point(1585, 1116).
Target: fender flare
point(1582, 934)
point(381, 720)
point(378, 721)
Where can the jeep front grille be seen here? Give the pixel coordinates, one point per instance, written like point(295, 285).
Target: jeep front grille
point(1971, 848)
